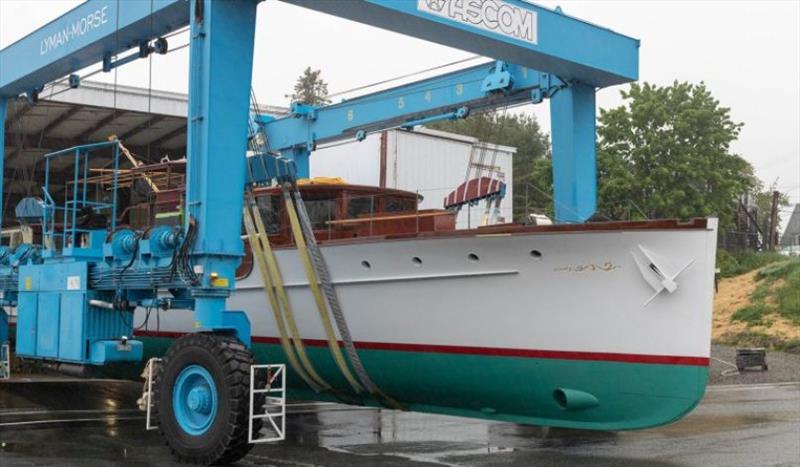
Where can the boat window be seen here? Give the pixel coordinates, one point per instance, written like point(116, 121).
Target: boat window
point(320, 211)
point(270, 208)
point(399, 204)
point(360, 206)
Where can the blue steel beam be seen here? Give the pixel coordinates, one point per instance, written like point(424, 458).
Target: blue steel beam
point(398, 106)
point(511, 30)
point(572, 108)
point(3, 110)
point(82, 37)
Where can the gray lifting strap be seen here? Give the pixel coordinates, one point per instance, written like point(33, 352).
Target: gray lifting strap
point(333, 300)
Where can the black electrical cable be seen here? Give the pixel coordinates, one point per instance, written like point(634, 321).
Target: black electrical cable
point(148, 310)
point(190, 238)
point(120, 312)
point(409, 75)
point(181, 265)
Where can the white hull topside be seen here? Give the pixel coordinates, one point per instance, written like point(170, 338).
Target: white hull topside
point(593, 291)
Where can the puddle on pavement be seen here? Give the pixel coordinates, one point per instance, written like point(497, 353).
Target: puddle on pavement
point(706, 424)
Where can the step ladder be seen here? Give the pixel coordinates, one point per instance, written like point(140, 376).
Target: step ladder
point(478, 167)
point(147, 397)
point(274, 407)
point(5, 361)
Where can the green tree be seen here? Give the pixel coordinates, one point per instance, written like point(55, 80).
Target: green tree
point(666, 153)
point(310, 88)
point(531, 169)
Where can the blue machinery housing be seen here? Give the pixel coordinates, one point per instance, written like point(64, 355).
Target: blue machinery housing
point(75, 293)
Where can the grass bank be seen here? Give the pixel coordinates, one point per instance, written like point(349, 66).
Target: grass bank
point(762, 306)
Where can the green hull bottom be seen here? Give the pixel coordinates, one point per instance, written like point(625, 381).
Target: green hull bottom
point(513, 389)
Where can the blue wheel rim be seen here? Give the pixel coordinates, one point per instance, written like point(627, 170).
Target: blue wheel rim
point(194, 400)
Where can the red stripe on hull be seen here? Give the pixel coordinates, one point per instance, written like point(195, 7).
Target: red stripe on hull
point(487, 351)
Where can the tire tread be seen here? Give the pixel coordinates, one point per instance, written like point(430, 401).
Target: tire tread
point(235, 359)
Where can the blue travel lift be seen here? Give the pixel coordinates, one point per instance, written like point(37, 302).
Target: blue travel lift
point(76, 291)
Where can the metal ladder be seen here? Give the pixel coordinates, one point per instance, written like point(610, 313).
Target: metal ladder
point(274, 403)
point(490, 213)
point(147, 397)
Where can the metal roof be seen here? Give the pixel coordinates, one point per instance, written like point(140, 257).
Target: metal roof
point(151, 123)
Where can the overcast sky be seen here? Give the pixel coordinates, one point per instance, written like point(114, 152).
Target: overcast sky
point(748, 53)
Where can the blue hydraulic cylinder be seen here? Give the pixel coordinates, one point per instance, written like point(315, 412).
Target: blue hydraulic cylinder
point(572, 115)
point(221, 67)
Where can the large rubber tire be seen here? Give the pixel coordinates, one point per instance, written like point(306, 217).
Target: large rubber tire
point(227, 361)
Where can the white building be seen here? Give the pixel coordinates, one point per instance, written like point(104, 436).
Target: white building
point(427, 161)
point(153, 125)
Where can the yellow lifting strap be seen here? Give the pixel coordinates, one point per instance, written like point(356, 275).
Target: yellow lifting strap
point(313, 283)
point(283, 298)
point(279, 302)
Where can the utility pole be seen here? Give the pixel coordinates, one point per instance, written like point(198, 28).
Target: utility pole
point(773, 220)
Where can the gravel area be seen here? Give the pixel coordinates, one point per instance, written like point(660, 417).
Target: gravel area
point(783, 367)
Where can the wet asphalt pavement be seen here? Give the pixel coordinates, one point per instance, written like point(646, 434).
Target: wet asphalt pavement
point(92, 423)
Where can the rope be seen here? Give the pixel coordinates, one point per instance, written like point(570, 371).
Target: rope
point(732, 372)
point(408, 75)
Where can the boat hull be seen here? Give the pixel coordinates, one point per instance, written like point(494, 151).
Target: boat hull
point(502, 326)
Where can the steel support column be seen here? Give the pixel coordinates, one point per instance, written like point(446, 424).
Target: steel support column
point(3, 110)
point(221, 67)
point(572, 115)
point(300, 156)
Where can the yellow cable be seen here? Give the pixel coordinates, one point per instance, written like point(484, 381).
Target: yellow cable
point(283, 298)
point(313, 283)
point(258, 254)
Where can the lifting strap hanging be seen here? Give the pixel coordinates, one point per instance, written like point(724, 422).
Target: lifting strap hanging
point(322, 271)
point(283, 298)
point(270, 276)
point(313, 283)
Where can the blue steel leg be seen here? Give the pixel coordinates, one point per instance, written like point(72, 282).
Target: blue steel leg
point(3, 109)
point(300, 158)
point(221, 68)
point(3, 326)
point(572, 115)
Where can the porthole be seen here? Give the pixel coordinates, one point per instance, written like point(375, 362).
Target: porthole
point(536, 254)
point(417, 261)
point(365, 264)
point(473, 258)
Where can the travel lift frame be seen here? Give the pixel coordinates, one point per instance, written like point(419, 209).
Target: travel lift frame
point(541, 54)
